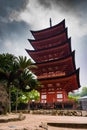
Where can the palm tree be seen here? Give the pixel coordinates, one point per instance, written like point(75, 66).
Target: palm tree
point(25, 82)
point(24, 63)
point(7, 71)
point(24, 76)
point(16, 72)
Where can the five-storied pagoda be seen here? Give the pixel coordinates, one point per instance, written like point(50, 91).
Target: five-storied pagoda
point(55, 63)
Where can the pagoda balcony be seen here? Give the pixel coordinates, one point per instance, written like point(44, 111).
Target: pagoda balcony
point(51, 74)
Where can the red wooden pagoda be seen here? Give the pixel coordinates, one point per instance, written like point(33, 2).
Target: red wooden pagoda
point(56, 63)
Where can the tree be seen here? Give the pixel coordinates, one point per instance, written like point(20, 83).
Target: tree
point(84, 92)
point(24, 75)
point(16, 72)
point(7, 72)
point(27, 97)
point(24, 63)
point(25, 82)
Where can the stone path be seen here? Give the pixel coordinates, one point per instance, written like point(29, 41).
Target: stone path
point(32, 122)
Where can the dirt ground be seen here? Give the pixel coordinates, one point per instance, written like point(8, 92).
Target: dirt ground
point(32, 122)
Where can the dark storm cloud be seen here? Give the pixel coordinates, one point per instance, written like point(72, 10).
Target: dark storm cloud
point(66, 3)
point(78, 7)
point(10, 26)
point(62, 3)
point(14, 32)
point(13, 38)
point(12, 29)
point(7, 6)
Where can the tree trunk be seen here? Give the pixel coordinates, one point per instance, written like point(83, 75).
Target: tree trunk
point(16, 107)
point(9, 101)
point(28, 106)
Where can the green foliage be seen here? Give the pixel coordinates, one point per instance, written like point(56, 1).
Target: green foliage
point(16, 72)
point(34, 95)
point(23, 62)
point(75, 98)
point(23, 97)
point(84, 92)
point(6, 61)
point(29, 96)
point(77, 95)
point(7, 67)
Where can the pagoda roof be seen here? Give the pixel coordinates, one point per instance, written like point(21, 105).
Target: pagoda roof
point(72, 54)
point(66, 65)
point(48, 32)
point(63, 50)
point(71, 80)
point(68, 41)
point(55, 39)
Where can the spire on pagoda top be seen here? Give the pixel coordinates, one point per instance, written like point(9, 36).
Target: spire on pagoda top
point(50, 22)
point(50, 31)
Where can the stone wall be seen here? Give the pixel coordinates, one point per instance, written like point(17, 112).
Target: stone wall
point(60, 112)
point(3, 100)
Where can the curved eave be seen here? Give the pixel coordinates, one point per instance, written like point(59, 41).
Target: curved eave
point(72, 54)
point(68, 41)
point(77, 76)
point(39, 40)
point(31, 43)
point(28, 51)
point(63, 78)
point(49, 28)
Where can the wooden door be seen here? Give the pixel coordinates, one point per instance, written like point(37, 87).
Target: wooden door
point(51, 97)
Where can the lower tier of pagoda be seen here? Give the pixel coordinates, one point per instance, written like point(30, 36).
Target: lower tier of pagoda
point(56, 89)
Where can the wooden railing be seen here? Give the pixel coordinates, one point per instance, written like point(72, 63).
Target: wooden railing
point(48, 75)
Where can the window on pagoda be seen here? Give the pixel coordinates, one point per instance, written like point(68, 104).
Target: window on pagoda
point(51, 89)
point(57, 84)
point(43, 90)
point(59, 95)
point(49, 85)
point(44, 74)
point(44, 70)
point(50, 45)
point(43, 101)
point(43, 96)
point(44, 57)
point(50, 69)
point(50, 57)
point(56, 67)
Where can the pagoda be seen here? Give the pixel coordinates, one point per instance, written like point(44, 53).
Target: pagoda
point(55, 61)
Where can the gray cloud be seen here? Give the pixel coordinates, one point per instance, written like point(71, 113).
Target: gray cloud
point(76, 7)
point(69, 4)
point(7, 6)
point(13, 37)
point(14, 27)
point(45, 3)
point(10, 26)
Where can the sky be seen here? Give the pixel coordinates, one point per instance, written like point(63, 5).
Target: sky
point(18, 17)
